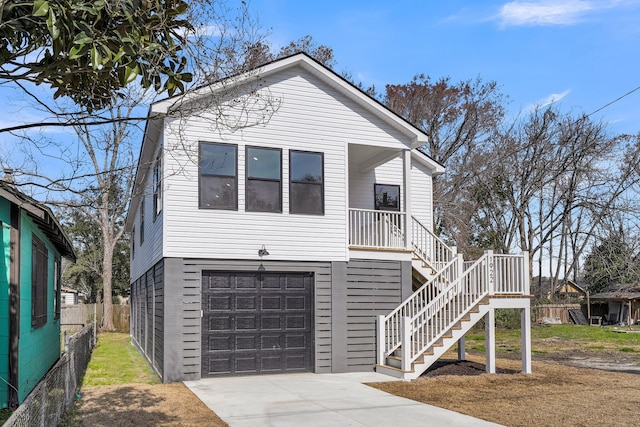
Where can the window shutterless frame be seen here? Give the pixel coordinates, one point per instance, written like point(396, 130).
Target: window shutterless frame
point(142, 214)
point(39, 281)
point(386, 197)
point(306, 182)
point(218, 176)
point(157, 186)
point(263, 182)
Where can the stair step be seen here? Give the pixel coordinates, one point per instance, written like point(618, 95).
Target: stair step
point(394, 369)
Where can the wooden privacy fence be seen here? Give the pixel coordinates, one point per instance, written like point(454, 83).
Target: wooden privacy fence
point(73, 317)
point(554, 311)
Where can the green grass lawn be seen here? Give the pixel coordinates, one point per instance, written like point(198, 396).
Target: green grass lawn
point(549, 339)
point(116, 361)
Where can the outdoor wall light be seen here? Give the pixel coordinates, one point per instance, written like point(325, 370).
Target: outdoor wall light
point(262, 252)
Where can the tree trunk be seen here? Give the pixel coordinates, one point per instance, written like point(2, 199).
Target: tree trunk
point(107, 275)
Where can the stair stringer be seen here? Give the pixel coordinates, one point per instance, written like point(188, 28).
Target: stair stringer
point(450, 338)
point(424, 269)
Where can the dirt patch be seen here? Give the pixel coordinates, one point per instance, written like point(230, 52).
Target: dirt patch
point(461, 367)
point(143, 405)
point(555, 394)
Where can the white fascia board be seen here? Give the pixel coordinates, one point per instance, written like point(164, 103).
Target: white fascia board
point(436, 168)
point(149, 145)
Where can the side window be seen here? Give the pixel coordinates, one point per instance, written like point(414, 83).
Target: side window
point(133, 242)
point(387, 197)
point(218, 176)
point(39, 273)
point(264, 180)
point(157, 187)
point(306, 183)
point(142, 220)
point(57, 270)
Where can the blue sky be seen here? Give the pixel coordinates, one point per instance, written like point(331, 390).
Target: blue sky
point(583, 54)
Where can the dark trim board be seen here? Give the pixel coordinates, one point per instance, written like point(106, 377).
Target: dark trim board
point(14, 306)
point(346, 298)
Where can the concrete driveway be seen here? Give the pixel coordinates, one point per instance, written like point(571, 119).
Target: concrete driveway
point(317, 400)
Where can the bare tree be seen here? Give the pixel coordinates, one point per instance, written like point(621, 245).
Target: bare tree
point(460, 120)
point(94, 172)
point(555, 178)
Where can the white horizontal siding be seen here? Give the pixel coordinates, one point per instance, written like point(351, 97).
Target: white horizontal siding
point(150, 252)
point(361, 184)
point(421, 194)
point(312, 116)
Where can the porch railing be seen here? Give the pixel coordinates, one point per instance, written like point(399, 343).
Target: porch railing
point(377, 229)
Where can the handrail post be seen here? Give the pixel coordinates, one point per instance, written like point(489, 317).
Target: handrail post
point(406, 343)
point(381, 340)
point(490, 272)
point(525, 273)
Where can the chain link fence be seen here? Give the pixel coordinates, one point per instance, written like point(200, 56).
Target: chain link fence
point(56, 392)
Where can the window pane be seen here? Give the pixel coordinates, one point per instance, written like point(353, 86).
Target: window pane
point(306, 167)
point(263, 163)
point(218, 159)
point(218, 192)
point(263, 196)
point(387, 197)
point(306, 198)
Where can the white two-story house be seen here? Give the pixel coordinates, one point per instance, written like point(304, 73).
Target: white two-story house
point(279, 220)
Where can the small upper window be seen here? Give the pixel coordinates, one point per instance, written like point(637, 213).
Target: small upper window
point(306, 187)
point(218, 176)
point(387, 197)
point(157, 187)
point(142, 220)
point(264, 183)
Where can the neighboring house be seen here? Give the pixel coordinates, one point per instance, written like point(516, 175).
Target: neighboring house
point(570, 289)
point(617, 304)
point(69, 296)
point(32, 246)
point(276, 244)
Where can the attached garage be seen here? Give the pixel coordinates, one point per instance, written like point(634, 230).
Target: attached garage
point(257, 322)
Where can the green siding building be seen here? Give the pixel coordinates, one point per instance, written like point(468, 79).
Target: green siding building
point(31, 247)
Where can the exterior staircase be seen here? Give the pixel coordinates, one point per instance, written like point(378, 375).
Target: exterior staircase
point(454, 297)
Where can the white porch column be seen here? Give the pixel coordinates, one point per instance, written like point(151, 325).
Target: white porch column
point(407, 198)
point(525, 327)
point(461, 349)
point(490, 340)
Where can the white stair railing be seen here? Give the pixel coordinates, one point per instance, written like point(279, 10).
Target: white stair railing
point(430, 247)
point(448, 266)
point(392, 323)
point(424, 318)
point(448, 308)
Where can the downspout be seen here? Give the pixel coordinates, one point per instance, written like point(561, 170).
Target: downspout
point(14, 306)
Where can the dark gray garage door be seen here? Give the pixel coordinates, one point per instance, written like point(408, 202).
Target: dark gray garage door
point(256, 323)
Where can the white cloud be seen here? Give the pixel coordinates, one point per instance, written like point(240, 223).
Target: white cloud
point(549, 12)
point(551, 99)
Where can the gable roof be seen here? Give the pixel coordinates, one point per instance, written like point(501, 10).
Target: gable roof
point(42, 216)
point(317, 69)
